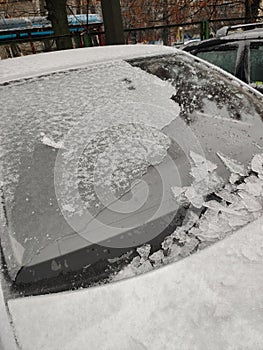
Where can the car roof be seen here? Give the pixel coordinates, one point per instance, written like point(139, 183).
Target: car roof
point(40, 64)
point(32, 66)
point(253, 34)
point(223, 31)
point(248, 34)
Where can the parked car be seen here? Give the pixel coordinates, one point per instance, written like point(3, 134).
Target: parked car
point(237, 49)
point(117, 158)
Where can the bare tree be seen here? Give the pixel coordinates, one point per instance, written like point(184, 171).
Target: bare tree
point(139, 13)
point(251, 9)
point(57, 14)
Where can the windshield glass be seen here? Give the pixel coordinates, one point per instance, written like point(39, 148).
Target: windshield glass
point(93, 159)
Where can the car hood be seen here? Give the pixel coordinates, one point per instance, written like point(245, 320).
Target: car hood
point(197, 296)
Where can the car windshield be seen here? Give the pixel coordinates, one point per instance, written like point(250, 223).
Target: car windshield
point(91, 160)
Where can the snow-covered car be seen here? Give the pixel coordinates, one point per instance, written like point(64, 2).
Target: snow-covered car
point(115, 162)
point(236, 49)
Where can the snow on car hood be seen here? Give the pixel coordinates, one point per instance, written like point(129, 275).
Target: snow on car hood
point(212, 300)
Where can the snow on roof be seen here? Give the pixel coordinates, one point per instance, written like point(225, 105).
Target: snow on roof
point(252, 34)
point(44, 63)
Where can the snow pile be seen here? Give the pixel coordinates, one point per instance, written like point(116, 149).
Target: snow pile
point(233, 206)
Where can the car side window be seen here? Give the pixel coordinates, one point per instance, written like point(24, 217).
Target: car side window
point(223, 58)
point(256, 63)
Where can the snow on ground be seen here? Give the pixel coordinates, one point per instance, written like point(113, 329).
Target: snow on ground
point(211, 300)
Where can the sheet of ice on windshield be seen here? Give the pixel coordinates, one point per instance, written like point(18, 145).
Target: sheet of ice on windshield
point(111, 99)
point(112, 161)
